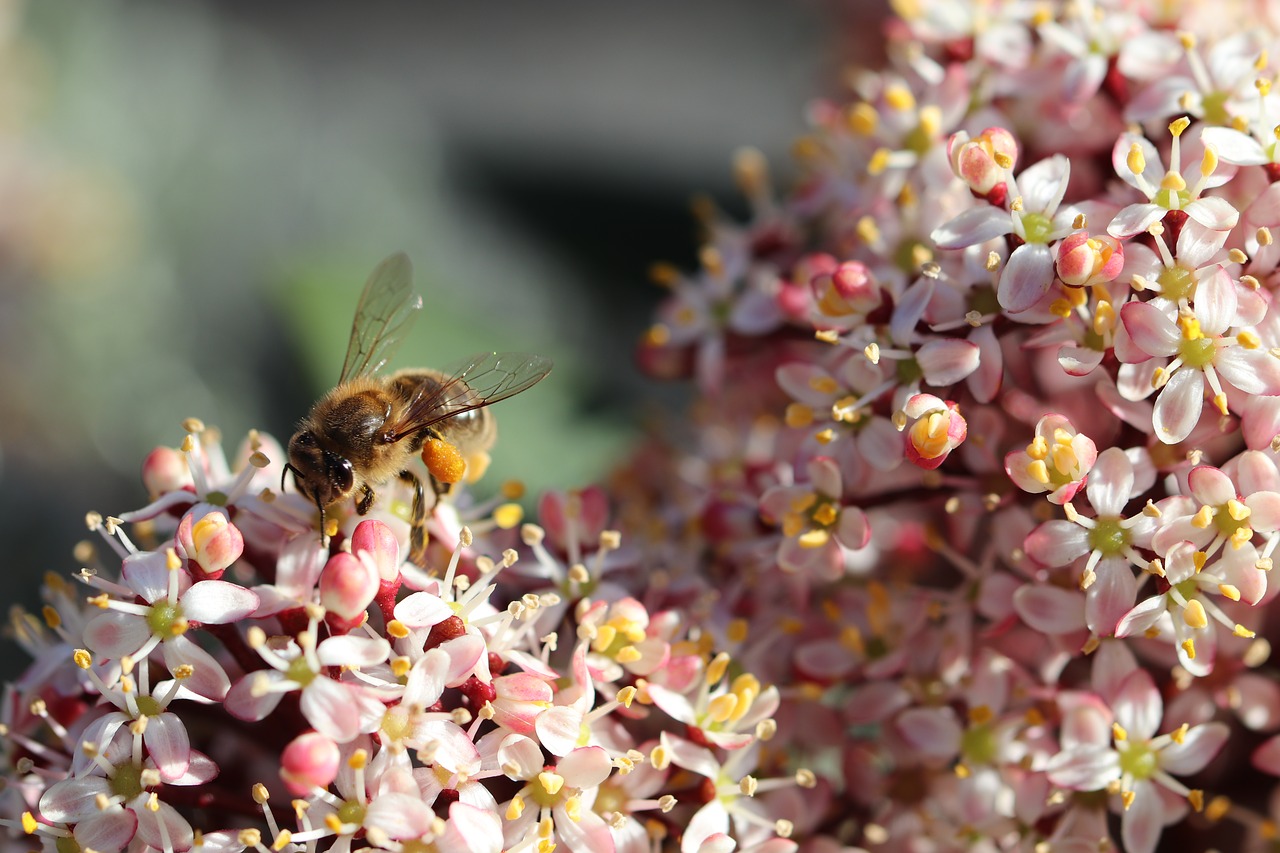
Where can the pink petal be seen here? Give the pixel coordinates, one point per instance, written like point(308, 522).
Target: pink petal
point(824, 474)
point(585, 767)
point(1111, 482)
point(1216, 302)
point(1259, 707)
point(934, 732)
point(946, 361)
point(1213, 212)
point(331, 709)
point(1200, 744)
point(1050, 609)
point(1177, 409)
point(176, 833)
point(168, 745)
point(1234, 146)
point(399, 815)
point(1138, 707)
point(1111, 595)
point(1151, 330)
point(1057, 542)
point(973, 226)
point(218, 602)
point(1267, 756)
point(422, 610)
point(1252, 371)
point(350, 650)
point(109, 830)
point(1084, 768)
point(586, 830)
point(1135, 218)
point(1026, 277)
point(1142, 822)
point(114, 634)
point(208, 678)
point(241, 702)
point(1143, 616)
point(559, 728)
point(1210, 486)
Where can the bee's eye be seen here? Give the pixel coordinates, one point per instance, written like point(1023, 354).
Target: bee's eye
point(341, 473)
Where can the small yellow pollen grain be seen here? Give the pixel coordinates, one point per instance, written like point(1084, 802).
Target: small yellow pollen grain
point(1243, 632)
point(1127, 797)
point(1196, 798)
point(1118, 732)
point(1189, 647)
point(878, 162)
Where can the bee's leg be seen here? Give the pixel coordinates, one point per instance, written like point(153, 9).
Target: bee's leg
point(417, 520)
point(366, 500)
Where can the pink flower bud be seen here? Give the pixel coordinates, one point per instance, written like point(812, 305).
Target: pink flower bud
point(849, 289)
point(165, 470)
point(309, 761)
point(1084, 260)
point(977, 161)
point(374, 538)
point(938, 429)
point(348, 585)
point(210, 542)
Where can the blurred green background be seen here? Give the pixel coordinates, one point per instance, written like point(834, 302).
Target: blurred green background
point(193, 194)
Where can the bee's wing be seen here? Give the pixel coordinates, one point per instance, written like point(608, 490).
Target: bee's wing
point(476, 382)
point(386, 309)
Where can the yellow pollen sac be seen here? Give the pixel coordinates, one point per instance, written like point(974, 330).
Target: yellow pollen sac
point(1060, 308)
point(1241, 537)
point(1136, 161)
point(826, 514)
point(1104, 318)
point(1220, 403)
point(1189, 646)
point(1064, 459)
point(722, 707)
point(605, 635)
point(814, 539)
point(627, 654)
point(1173, 181)
point(1230, 591)
point(1039, 472)
point(1178, 125)
point(551, 782)
point(1127, 797)
point(899, 98)
point(868, 230)
point(717, 667)
point(879, 162)
point(1179, 734)
point(799, 415)
point(930, 121)
point(1243, 632)
point(862, 119)
point(1203, 518)
point(793, 525)
point(1198, 560)
point(1238, 510)
point(981, 715)
point(1248, 339)
point(1209, 163)
point(1038, 448)
point(1118, 732)
point(515, 808)
point(804, 502)
point(1193, 614)
point(824, 385)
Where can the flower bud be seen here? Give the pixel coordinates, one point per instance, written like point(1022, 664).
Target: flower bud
point(375, 539)
point(348, 585)
point(982, 162)
point(847, 290)
point(165, 470)
point(1084, 260)
point(209, 541)
point(309, 761)
point(938, 429)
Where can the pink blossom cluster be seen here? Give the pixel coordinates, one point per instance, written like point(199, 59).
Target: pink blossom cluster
point(232, 681)
point(964, 544)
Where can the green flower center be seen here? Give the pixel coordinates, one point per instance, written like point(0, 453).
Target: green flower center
point(1037, 227)
point(1108, 537)
point(1138, 760)
point(127, 782)
point(300, 671)
point(978, 744)
point(1197, 352)
point(164, 618)
point(1214, 105)
point(909, 371)
point(1176, 283)
point(351, 811)
point(1172, 199)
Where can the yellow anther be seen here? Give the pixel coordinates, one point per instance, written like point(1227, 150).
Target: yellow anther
point(1189, 647)
point(878, 162)
point(1118, 733)
point(1136, 162)
point(1196, 798)
point(722, 707)
point(1243, 632)
point(1209, 163)
point(1220, 403)
point(515, 808)
point(507, 516)
point(1198, 559)
point(1039, 471)
point(899, 98)
point(1248, 339)
point(1178, 125)
point(868, 230)
point(1203, 517)
point(1173, 182)
point(1064, 459)
point(1238, 510)
point(981, 715)
point(1179, 734)
point(862, 119)
point(826, 514)
point(551, 782)
point(1003, 160)
point(717, 668)
point(799, 415)
point(1038, 448)
point(1127, 797)
point(1230, 591)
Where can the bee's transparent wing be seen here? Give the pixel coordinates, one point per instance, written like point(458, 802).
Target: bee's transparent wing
point(476, 382)
point(386, 310)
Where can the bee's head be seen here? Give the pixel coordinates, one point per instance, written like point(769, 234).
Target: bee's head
point(321, 474)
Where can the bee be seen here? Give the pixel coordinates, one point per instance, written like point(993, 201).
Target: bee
point(369, 428)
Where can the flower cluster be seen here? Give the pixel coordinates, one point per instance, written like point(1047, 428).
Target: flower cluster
point(964, 545)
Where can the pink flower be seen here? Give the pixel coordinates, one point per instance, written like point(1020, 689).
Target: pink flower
point(1057, 461)
point(818, 528)
point(938, 429)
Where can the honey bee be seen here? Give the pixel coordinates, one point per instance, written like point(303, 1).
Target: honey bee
point(369, 428)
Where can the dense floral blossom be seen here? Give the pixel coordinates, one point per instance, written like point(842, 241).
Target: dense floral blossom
point(965, 545)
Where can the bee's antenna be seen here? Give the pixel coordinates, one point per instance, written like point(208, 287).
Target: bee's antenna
point(288, 468)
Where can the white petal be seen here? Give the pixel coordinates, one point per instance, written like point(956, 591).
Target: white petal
point(1177, 409)
point(973, 226)
point(218, 602)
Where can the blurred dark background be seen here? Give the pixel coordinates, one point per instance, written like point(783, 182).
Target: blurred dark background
point(194, 194)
